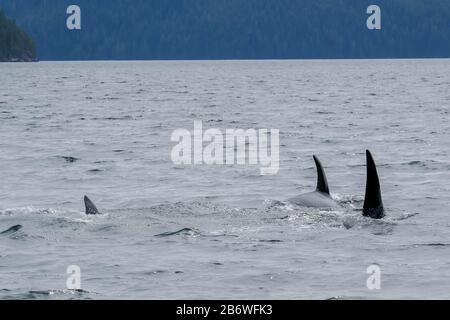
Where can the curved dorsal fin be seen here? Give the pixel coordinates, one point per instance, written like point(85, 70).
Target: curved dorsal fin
point(11, 230)
point(322, 183)
point(373, 204)
point(90, 206)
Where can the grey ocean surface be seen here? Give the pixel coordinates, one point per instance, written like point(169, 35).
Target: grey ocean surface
point(103, 129)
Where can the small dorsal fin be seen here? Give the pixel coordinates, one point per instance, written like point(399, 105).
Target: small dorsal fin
point(11, 230)
point(322, 183)
point(373, 204)
point(90, 206)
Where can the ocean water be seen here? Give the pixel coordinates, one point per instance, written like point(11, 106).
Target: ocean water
point(223, 231)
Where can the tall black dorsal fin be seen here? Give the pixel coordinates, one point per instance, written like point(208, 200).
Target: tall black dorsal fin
point(373, 204)
point(90, 206)
point(322, 183)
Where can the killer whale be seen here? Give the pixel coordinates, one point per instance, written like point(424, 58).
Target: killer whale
point(11, 230)
point(90, 207)
point(320, 198)
point(373, 203)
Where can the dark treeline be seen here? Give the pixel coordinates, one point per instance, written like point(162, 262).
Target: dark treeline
point(15, 44)
point(235, 29)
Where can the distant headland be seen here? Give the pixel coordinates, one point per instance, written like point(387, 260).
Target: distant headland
point(15, 44)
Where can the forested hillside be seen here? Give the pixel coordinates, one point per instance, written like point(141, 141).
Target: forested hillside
point(15, 45)
point(235, 29)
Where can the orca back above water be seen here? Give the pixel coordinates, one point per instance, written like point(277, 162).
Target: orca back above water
point(11, 230)
point(91, 209)
point(320, 198)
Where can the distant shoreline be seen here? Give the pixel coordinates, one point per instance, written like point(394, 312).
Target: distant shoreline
point(200, 60)
point(17, 60)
